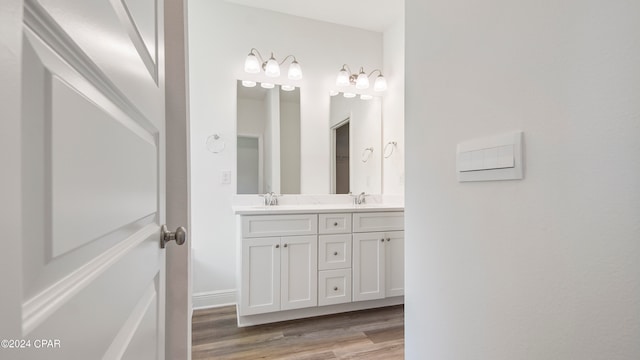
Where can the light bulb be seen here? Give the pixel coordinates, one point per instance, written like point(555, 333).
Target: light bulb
point(363, 81)
point(333, 93)
point(287, 87)
point(366, 97)
point(272, 69)
point(349, 95)
point(248, 83)
point(267, 85)
point(295, 72)
point(251, 64)
point(380, 84)
point(343, 78)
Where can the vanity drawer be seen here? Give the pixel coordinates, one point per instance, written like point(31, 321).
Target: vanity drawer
point(378, 221)
point(334, 223)
point(279, 225)
point(334, 251)
point(334, 287)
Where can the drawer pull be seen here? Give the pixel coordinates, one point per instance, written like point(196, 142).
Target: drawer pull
point(285, 244)
point(388, 239)
point(382, 239)
point(277, 246)
point(335, 288)
point(335, 253)
point(335, 224)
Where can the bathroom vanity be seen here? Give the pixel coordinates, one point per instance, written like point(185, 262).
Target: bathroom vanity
point(297, 261)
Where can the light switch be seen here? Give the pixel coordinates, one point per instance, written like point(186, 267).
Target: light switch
point(477, 160)
point(505, 156)
point(490, 158)
point(464, 161)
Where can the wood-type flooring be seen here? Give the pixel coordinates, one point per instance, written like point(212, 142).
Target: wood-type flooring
point(376, 334)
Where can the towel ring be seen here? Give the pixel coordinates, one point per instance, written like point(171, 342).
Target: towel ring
point(215, 144)
point(366, 154)
point(393, 146)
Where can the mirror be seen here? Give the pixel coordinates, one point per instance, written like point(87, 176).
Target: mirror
point(356, 137)
point(268, 143)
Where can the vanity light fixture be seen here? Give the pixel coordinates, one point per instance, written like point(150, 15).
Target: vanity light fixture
point(287, 87)
point(349, 95)
point(266, 85)
point(255, 63)
point(333, 93)
point(366, 97)
point(361, 79)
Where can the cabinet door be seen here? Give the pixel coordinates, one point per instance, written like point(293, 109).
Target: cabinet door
point(394, 265)
point(260, 288)
point(368, 266)
point(299, 272)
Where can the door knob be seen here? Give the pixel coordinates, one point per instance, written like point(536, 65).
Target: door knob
point(180, 236)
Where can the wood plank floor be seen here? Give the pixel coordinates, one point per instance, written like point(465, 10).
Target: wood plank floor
point(367, 334)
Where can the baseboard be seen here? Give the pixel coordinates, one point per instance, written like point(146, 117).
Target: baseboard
point(212, 299)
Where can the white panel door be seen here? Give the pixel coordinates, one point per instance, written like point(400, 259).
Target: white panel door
point(87, 182)
point(394, 264)
point(299, 272)
point(368, 266)
point(260, 279)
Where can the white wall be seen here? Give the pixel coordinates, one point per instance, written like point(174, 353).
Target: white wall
point(220, 37)
point(546, 267)
point(393, 109)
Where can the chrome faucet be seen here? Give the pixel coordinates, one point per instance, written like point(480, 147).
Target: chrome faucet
point(270, 199)
point(358, 199)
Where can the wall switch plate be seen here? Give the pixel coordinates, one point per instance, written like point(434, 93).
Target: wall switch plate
point(225, 177)
point(497, 157)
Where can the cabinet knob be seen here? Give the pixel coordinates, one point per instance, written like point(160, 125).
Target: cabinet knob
point(277, 246)
point(335, 288)
point(335, 224)
point(382, 239)
point(285, 245)
point(388, 239)
point(335, 253)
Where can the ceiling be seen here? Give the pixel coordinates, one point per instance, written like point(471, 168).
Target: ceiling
point(373, 15)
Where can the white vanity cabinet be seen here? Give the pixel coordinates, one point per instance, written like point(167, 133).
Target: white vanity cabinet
point(295, 264)
point(278, 272)
point(378, 255)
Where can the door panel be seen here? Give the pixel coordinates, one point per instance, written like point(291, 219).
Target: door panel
point(394, 252)
point(92, 195)
point(113, 32)
point(261, 280)
point(368, 266)
point(299, 271)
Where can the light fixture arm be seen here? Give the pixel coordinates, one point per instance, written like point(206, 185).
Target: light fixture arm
point(379, 72)
point(258, 54)
point(347, 68)
point(286, 57)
